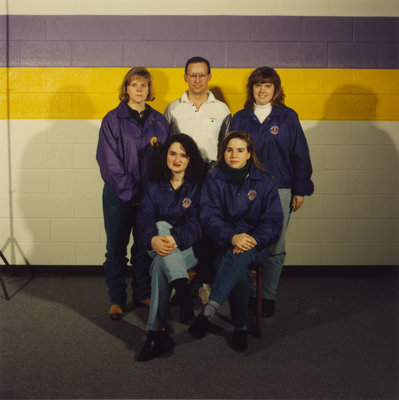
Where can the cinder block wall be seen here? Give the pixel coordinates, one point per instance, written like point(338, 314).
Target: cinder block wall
point(60, 73)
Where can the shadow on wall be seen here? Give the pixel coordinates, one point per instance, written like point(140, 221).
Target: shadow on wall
point(355, 174)
point(218, 93)
point(59, 211)
point(159, 80)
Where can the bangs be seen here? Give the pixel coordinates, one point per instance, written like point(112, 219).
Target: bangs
point(138, 76)
point(262, 80)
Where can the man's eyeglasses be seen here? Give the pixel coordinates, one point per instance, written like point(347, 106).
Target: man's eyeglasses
point(201, 77)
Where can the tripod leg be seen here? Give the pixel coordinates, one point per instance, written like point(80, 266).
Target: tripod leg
point(3, 285)
point(4, 258)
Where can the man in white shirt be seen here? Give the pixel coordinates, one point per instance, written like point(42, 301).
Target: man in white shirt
point(198, 113)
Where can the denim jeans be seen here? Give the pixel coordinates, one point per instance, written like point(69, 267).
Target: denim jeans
point(273, 265)
point(164, 270)
point(119, 222)
point(233, 281)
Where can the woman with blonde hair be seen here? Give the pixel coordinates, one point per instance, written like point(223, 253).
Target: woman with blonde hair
point(129, 136)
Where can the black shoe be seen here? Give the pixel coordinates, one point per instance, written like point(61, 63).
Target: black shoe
point(240, 340)
point(267, 308)
point(156, 345)
point(183, 298)
point(199, 327)
point(186, 311)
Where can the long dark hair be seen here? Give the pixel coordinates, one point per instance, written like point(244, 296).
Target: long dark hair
point(196, 168)
point(246, 137)
point(265, 75)
point(239, 134)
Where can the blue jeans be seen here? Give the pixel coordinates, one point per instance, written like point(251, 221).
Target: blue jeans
point(119, 222)
point(233, 281)
point(164, 270)
point(273, 265)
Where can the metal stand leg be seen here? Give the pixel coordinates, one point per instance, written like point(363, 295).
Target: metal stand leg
point(3, 285)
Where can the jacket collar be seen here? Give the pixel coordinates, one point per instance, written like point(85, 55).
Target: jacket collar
point(123, 112)
point(185, 99)
point(276, 112)
point(254, 173)
point(166, 186)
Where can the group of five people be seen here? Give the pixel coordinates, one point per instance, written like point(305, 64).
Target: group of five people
point(192, 176)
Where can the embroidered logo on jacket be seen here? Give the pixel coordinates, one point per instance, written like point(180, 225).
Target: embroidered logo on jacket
point(154, 141)
point(186, 202)
point(252, 194)
point(274, 129)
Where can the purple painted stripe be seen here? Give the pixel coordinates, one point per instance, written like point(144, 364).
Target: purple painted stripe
point(273, 29)
point(388, 56)
point(152, 53)
point(353, 55)
point(327, 29)
point(376, 29)
point(96, 27)
point(222, 28)
point(227, 41)
point(285, 54)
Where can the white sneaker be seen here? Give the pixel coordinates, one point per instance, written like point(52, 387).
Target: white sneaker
point(204, 292)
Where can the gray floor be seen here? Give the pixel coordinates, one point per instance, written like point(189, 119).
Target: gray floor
point(333, 337)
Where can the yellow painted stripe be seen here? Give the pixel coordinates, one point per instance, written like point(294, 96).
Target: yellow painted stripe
point(89, 93)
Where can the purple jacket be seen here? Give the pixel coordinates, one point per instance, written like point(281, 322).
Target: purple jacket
point(281, 147)
point(125, 149)
point(253, 207)
point(160, 202)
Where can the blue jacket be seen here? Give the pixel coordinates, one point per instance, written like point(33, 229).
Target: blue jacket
point(125, 149)
point(160, 202)
point(253, 207)
point(281, 147)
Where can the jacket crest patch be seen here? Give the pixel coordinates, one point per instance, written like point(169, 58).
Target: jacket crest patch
point(274, 129)
point(252, 194)
point(186, 202)
point(154, 141)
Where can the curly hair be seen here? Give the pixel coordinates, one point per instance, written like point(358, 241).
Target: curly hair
point(135, 71)
point(265, 75)
point(196, 168)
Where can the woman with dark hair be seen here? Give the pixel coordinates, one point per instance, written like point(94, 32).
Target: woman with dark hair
point(169, 227)
point(128, 138)
point(282, 148)
point(241, 212)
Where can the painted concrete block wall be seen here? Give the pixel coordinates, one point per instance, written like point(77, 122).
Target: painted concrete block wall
point(340, 74)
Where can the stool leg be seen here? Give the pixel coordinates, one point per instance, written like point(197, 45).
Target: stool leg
point(259, 302)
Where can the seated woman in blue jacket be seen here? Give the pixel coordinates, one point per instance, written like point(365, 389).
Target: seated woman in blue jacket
point(241, 212)
point(168, 218)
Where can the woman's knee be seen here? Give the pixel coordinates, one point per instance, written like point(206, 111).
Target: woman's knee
point(163, 227)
